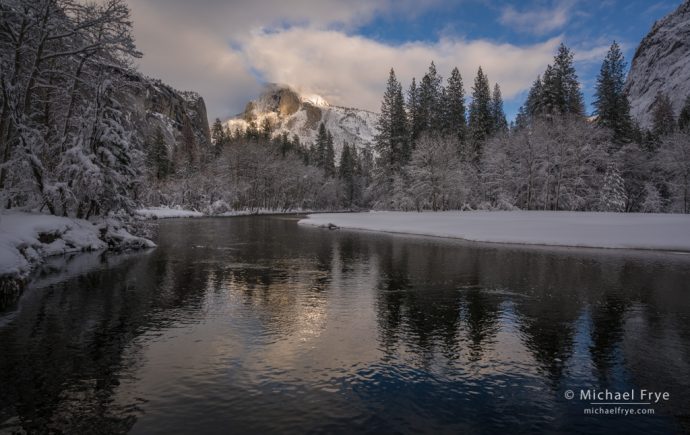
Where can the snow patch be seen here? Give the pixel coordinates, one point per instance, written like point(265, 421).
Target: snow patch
point(316, 100)
point(27, 239)
point(578, 229)
point(167, 213)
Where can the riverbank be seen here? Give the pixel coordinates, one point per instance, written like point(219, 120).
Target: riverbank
point(152, 213)
point(28, 239)
point(665, 232)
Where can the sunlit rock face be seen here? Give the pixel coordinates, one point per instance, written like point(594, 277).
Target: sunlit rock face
point(290, 112)
point(661, 65)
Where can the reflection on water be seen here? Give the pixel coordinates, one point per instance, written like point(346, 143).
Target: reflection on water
point(257, 324)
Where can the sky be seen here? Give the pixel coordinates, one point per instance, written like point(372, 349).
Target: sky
point(343, 49)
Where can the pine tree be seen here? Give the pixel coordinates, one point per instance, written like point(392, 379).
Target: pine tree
point(189, 142)
point(454, 107)
point(610, 102)
point(346, 173)
point(319, 155)
point(392, 139)
point(500, 124)
point(684, 118)
point(157, 155)
point(561, 88)
point(329, 156)
point(252, 131)
point(101, 166)
point(480, 119)
point(533, 106)
point(218, 136)
point(286, 144)
point(266, 129)
point(663, 119)
point(612, 196)
point(414, 118)
point(430, 108)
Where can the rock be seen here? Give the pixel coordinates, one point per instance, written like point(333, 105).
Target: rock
point(661, 65)
point(151, 104)
point(290, 112)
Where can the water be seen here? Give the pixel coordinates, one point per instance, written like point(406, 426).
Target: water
point(260, 325)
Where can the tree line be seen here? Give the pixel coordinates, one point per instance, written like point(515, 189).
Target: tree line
point(435, 151)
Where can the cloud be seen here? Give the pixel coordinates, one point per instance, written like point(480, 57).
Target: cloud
point(352, 70)
point(194, 45)
point(537, 21)
point(225, 50)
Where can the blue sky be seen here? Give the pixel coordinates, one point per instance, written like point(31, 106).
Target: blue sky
point(586, 25)
point(342, 50)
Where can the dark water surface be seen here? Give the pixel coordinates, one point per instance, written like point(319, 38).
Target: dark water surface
point(259, 325)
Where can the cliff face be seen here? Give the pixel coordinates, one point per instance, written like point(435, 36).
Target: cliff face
point(152, 104)
point(661, 65)
point(296, 114)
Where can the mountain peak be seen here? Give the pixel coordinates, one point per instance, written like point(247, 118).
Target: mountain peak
point(290, 111)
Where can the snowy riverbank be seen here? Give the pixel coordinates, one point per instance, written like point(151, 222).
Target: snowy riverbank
point(170, 213)
point(670, 232)
point(27, 239)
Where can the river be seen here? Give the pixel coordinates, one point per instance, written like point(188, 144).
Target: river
point(257, 324)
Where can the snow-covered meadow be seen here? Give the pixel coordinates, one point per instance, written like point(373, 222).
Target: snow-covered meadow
point(670, 232)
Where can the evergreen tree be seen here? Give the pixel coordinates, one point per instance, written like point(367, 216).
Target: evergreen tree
point(252, 131)
point(454, 107)
point(610, 102)
point(535, 99)
point(102, 166)
point(392, 139)
point(329, 156)
point(430, 108)
point(684, 118)
point(561, 88)
point(414, 118)
point(500, 124)
point(266, 129)
point(157, 155)
point(218, 136)
point(319, 154)
point(346, 173)
point(663, 119)
point(534, 105)
point(189, 142)
point(480, 119)
point(612, 196)
point(284, 143)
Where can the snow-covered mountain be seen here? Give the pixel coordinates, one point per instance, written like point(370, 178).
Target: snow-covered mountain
point(300, 114)
point(661, 65)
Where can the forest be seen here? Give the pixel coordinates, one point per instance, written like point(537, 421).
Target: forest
point(67, 142)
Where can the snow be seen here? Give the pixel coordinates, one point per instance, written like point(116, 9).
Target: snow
point(578, 229)
point(27, 239)
point(167, 213)
point(354, 126)
point(215, 210)
point(315, 99)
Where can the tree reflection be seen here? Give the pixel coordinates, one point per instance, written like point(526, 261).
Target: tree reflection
point(440, 311)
